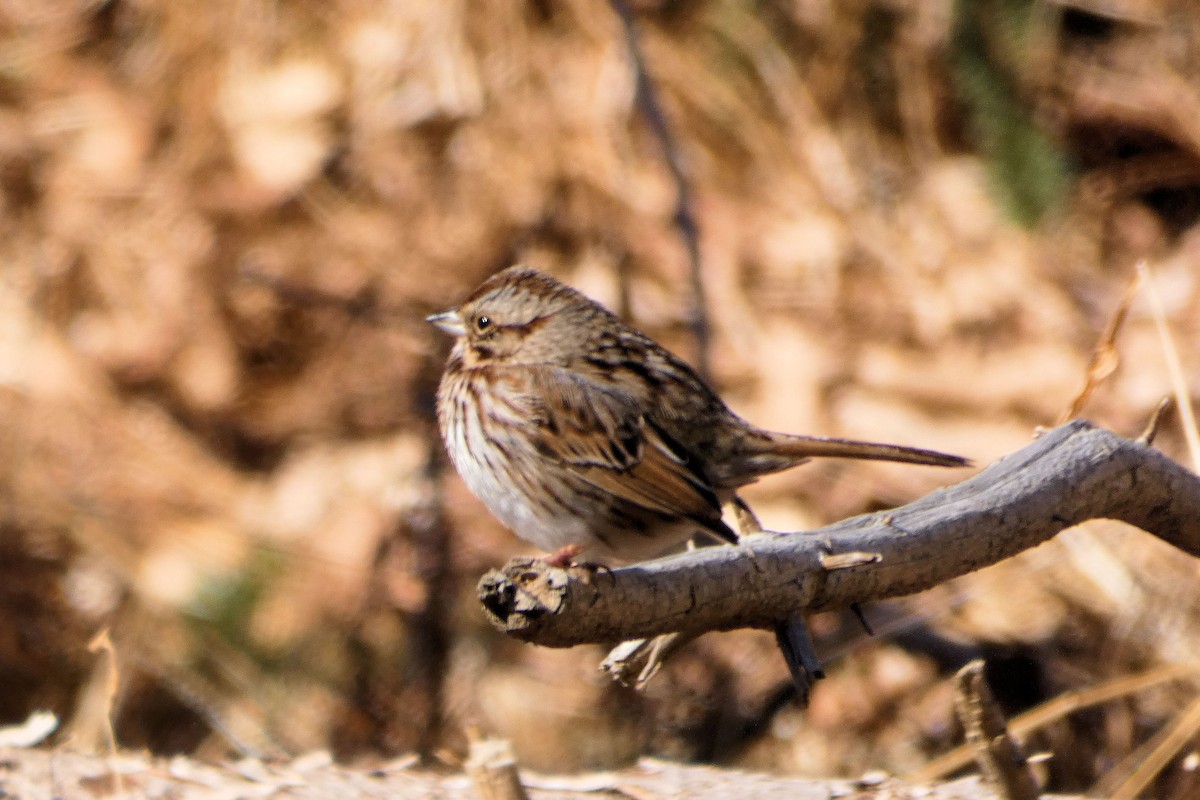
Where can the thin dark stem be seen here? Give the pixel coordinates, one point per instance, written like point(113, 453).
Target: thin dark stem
point(684, 218)
point(430, 635)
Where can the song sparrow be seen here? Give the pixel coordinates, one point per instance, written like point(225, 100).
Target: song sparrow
point(584, 436)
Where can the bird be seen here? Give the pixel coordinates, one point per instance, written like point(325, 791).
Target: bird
point(588, 439)
point(585, 436)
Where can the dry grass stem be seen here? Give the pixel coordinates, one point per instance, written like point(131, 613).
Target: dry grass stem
point(1150, 432)
point(1129, 779)
point(1179, 383)
point(103, 643)
point(1104, 359)
point(1051, 711)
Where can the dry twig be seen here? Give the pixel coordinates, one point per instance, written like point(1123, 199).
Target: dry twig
point(999, 756)
point(1104, 358)
point(493, 771)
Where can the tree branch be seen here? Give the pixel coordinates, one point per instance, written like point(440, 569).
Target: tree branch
point(1073, 473)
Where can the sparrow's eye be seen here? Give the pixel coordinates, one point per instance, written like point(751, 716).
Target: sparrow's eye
point(483, 322)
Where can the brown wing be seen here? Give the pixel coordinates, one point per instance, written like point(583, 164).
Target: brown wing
point(602, 435)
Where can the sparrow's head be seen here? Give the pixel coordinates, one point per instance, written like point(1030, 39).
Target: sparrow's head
point(522, 316)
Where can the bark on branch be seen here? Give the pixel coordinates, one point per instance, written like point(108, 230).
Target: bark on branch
point(1073, 473)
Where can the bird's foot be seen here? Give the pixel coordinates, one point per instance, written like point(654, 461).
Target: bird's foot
point(563, 557)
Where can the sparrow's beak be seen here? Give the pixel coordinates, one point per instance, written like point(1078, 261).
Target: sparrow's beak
point(449, 321)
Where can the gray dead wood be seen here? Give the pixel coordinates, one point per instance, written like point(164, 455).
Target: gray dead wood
point(1071, 474)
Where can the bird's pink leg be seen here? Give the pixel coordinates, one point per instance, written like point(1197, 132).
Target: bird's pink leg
point(563, 557)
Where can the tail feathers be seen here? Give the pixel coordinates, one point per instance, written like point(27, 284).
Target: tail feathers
point(803, 447)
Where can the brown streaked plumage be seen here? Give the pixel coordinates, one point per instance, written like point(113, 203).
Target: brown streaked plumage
point(578, 431)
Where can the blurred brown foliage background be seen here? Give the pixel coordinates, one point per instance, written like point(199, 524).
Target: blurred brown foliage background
point(222, 224)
